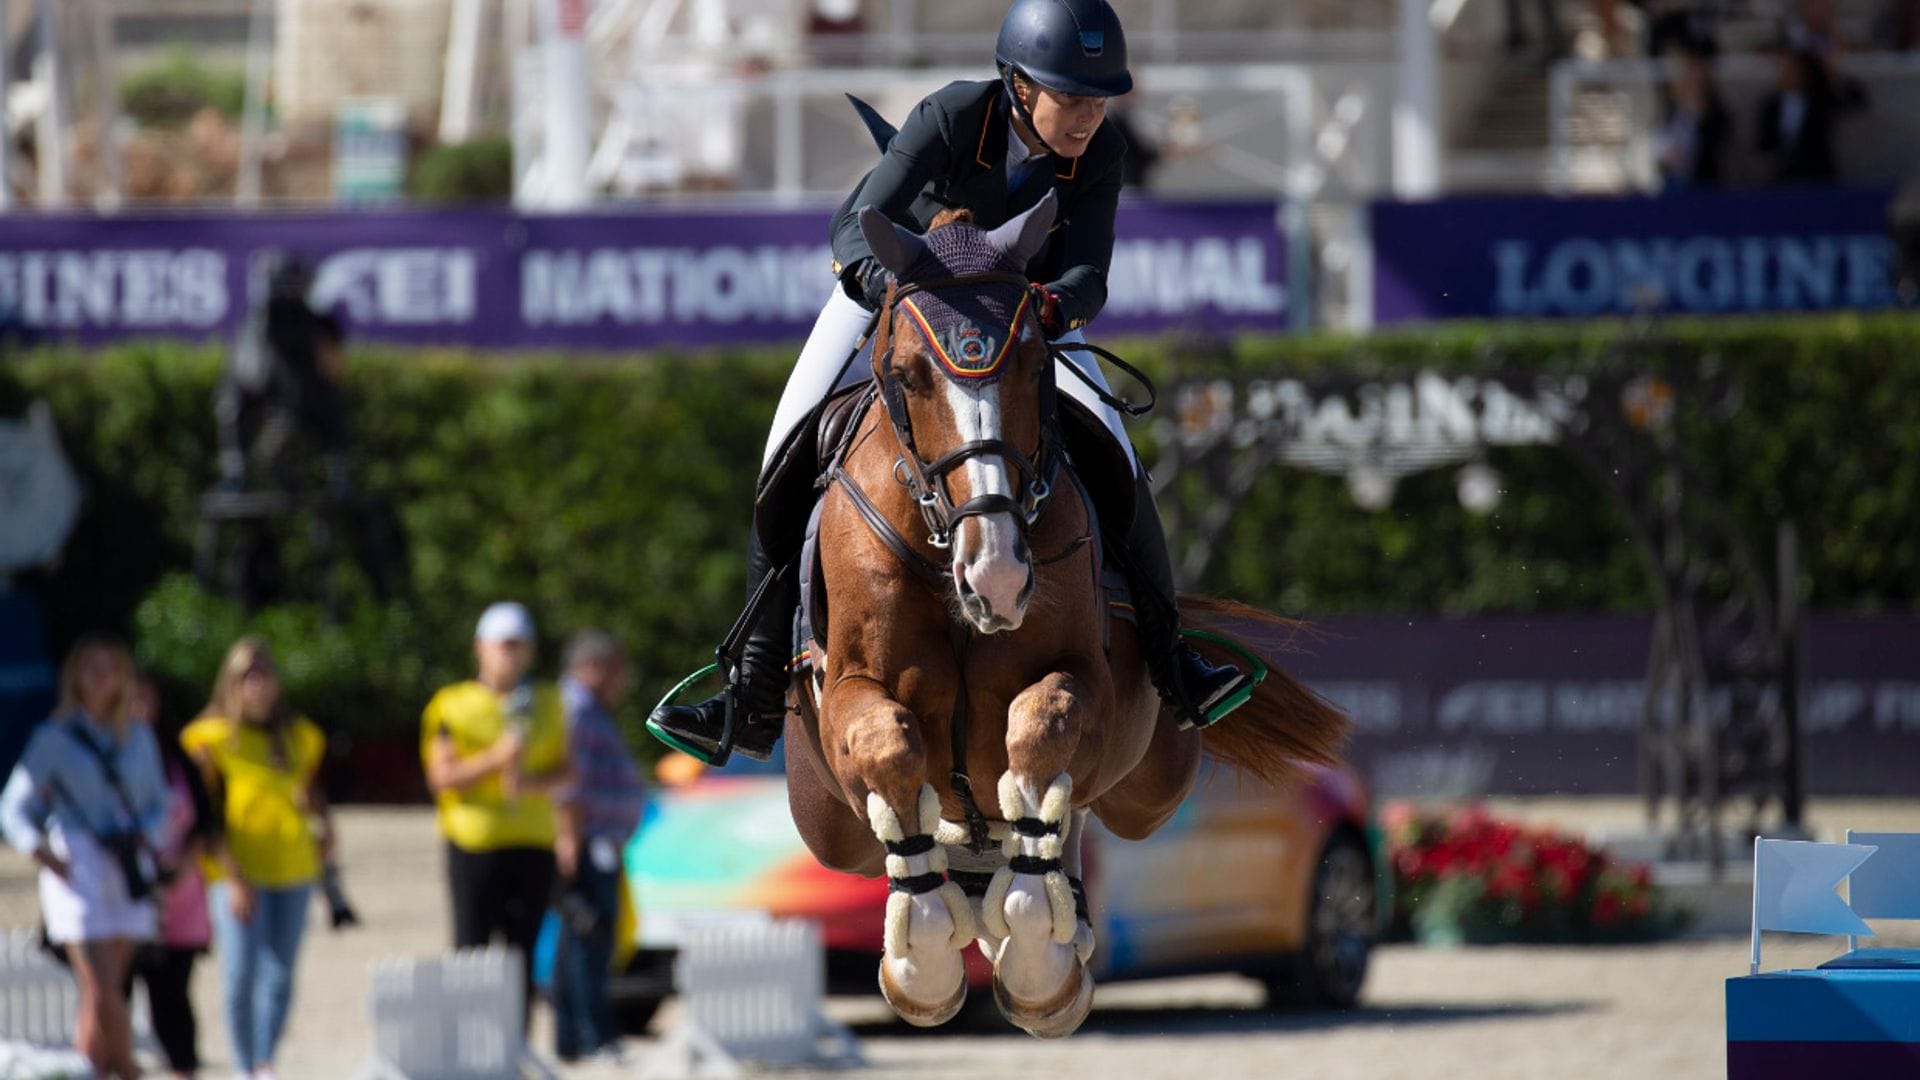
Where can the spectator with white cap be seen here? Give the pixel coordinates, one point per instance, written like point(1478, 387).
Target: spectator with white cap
point(495, 748)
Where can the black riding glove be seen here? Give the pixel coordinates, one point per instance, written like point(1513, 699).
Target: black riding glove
point(866, 282)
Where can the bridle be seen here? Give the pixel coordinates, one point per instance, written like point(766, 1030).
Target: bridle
point(926, 481)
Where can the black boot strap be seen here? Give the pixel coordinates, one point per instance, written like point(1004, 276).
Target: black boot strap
point(918, 844)
point(971, 882)
point(916, 885)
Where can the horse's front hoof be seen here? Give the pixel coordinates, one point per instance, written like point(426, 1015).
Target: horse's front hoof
point(917, 1013)
point(1056, 1018)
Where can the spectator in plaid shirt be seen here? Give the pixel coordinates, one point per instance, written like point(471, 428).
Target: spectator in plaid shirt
point(595, 815)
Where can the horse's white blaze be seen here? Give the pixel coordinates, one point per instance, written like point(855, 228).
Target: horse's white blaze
point(986, 549)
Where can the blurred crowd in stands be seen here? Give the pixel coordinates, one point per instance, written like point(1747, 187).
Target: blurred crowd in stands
point(1811, 94)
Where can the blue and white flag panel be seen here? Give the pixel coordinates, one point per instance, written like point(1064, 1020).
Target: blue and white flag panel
point(1795, 885)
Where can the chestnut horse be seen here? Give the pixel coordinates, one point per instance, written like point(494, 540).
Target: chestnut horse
point(971, 648)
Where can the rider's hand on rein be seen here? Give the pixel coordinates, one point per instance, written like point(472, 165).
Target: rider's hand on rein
point(873, 281)
point(1047, 309)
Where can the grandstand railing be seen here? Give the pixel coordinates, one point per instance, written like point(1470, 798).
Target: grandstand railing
point(1297, 129)
point(893, 33)
point(1317, 138)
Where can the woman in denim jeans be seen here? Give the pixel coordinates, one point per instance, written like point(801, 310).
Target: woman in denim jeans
point(86, 800)
point(261, 759)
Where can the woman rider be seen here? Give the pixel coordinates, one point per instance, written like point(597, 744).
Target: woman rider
point(995, 147)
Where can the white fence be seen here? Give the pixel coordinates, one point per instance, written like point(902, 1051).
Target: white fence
point(750, 990)
point(38, 998)
point(454, 1017)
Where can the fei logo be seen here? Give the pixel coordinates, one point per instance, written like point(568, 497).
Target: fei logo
point(401, 286)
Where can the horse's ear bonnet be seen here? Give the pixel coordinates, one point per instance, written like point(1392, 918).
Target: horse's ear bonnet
point(897, 249)
point(971, 330)
point(1023, 237)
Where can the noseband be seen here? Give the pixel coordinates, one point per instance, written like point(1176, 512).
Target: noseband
point(926, 481)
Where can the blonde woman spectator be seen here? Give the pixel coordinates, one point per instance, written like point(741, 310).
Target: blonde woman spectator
point(260, 759)
point(89, 802)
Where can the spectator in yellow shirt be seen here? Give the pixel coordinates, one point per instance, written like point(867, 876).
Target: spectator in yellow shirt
point(260, 761)
point(495, 747)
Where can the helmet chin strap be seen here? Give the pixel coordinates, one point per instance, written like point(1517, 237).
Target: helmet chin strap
point(1020, 107)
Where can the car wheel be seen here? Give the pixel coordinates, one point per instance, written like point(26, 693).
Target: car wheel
point(637, 993)
point(631, 1015)
point(1342, 925)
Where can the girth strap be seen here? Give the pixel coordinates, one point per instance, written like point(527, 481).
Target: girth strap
point(977, 839)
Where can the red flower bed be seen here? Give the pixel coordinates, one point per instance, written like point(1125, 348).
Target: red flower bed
point(1465, 876)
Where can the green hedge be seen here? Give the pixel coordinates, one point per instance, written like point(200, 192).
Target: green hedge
point(463, 173)
point(614, 492)
point(167, 93)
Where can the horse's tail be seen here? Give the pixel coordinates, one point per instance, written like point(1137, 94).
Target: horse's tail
point(1284, 723)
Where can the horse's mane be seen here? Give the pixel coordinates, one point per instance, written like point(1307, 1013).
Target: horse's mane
point(956, 243)
point(953, 215)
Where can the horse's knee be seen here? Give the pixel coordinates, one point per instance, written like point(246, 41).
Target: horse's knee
point(881, 751)
point(1043, 726)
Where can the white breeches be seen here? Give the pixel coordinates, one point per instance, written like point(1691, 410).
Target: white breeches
point(823, 368)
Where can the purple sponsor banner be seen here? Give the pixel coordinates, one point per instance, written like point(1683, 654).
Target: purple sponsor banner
point(1175, 263)
point(1525, 706)
point(648, 278)
point(413, 277)
point(629, 280)
point(1803, 249)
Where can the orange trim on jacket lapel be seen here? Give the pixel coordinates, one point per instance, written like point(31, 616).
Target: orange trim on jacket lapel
point(980, 152)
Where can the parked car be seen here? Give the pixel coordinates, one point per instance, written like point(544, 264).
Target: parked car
point(1275, 883)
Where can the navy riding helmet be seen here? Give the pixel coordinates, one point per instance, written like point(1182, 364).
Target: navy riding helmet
point(1068, 46)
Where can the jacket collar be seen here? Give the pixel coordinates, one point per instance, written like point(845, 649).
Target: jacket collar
point(990, 152)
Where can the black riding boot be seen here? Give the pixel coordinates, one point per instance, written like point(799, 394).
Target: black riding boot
point(758, 686)
point(1198, 692)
